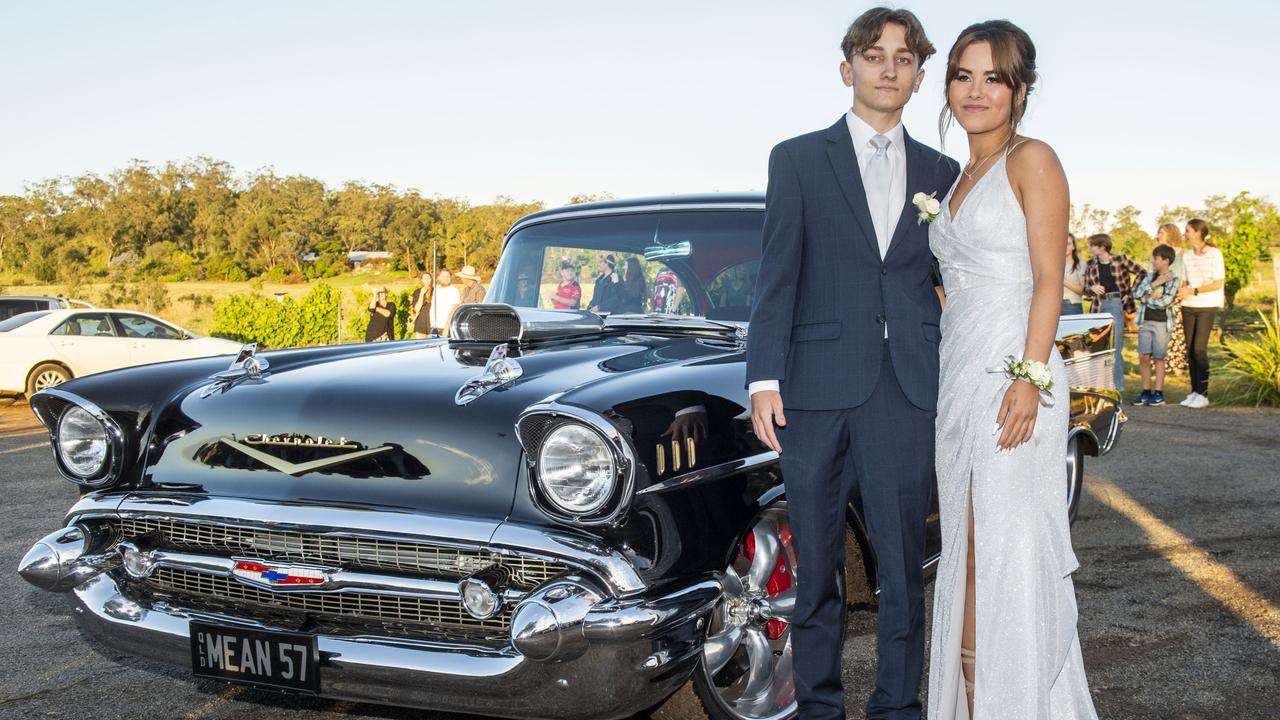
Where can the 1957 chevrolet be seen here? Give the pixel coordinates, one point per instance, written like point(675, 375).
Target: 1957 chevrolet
point(551, 514)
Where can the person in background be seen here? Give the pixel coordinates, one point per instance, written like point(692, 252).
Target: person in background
point(420, 307)
point(382, 313)
point(632, 291)
point(1176, 359)
point(568, 293)
point(474, 290)
point(1155, 295)
point(604, 296)
point(667, 292)
point(526, 291)
point(1201, 295)
point(1108, 279)
point(1073, 280)
point(445, 299)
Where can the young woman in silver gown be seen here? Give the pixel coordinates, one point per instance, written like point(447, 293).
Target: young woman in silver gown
point(1004, 629)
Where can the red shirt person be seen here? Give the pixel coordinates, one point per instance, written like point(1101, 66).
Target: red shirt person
point(667, 292)
point(568, 293)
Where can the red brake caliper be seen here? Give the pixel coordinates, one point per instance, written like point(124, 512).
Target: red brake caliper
point(779, 581)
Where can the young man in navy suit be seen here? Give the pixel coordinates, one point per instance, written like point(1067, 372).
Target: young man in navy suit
point(842, 361)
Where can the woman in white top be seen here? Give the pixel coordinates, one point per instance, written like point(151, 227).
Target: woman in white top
point(445, 299)
point(1072, 280)
point(1201, 296)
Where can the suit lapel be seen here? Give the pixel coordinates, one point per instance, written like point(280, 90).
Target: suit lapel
point(915, 183)
point(845, 167)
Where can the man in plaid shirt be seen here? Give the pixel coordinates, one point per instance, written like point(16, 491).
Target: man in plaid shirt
point(1109, 280)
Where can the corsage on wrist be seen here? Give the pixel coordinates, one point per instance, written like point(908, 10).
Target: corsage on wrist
point(1032, 372)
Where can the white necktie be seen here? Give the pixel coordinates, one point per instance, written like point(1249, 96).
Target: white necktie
point(876, 179)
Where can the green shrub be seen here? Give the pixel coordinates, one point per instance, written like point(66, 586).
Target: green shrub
point(279, 323)
point(153, 296)
point(1252, 374)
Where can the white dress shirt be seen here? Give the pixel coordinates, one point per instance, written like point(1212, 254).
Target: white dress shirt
point(885, 219)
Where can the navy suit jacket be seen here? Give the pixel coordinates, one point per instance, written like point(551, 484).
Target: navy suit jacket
point(823, 295)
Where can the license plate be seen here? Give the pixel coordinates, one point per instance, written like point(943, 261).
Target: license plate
point(255, 657)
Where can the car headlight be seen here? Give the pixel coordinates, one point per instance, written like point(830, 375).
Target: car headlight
point(577, 469)
point(83, 444)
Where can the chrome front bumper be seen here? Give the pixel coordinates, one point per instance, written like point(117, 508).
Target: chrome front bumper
point(591, 643)
point(635, 654)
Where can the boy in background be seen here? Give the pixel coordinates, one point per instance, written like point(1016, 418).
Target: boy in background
point(1154, 295)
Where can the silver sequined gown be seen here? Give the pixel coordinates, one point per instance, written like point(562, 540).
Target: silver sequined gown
point(1029, 665)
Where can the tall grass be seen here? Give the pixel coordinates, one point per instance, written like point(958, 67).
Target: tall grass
point(1253, 373)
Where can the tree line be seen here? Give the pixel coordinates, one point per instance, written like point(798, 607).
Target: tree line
point(199, 220)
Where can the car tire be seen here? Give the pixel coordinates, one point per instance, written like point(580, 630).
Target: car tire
point(46, 376)
point(1075, 477)
point(753, 652)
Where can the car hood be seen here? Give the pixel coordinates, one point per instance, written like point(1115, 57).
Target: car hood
point(421, 450)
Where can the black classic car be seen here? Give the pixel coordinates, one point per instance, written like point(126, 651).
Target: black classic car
point(553, 513)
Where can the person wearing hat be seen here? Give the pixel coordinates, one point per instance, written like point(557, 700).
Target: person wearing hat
point(445, 299)
point(526, 291)
point(568, 293)
point(473, 291)
point(382, 313)
point(604, 297)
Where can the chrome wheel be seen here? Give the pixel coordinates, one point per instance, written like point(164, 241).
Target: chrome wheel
point(746, 669)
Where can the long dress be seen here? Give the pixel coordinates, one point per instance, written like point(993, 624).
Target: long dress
point(1029, 664)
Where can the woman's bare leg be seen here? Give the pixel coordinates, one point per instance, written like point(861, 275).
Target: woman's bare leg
point(968, 634)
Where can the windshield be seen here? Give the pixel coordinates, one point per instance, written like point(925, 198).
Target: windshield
point(679, 263)
point(18, 321)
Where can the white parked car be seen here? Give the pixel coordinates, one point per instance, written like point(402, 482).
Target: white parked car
point(47, 347)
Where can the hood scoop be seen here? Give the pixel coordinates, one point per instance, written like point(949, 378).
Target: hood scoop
point(500, 323)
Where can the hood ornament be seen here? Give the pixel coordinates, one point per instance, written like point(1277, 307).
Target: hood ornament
point(246, 366)
point(500, 371)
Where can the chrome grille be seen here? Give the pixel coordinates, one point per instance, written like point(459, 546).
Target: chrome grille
point(408, 615)
point(350, 552)
point(1094, 371)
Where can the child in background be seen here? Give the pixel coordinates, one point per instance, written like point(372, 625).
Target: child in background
point(1155, 295)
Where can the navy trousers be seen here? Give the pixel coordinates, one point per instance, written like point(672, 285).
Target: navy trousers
point(883, 449)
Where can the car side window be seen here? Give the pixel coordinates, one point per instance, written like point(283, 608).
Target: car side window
point(137, 326)
point(88, 325)
point(10, 308)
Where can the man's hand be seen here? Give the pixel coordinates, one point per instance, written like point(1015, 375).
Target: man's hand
point(1097, 290)
point(766, 411)
point(689, 425)
point(1183, 292)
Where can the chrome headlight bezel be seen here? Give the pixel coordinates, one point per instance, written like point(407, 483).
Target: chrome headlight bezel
point(51, 406)
point(538, 424)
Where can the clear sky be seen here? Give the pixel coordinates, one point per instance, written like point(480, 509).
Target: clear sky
point(1147, 103)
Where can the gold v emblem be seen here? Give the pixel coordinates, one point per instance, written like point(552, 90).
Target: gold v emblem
point(296, 469)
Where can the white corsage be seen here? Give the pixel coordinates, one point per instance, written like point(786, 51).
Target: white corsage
point(1031, 371)
point(927, 206)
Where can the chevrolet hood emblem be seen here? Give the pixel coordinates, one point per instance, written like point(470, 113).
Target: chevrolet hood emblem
point(296, 469)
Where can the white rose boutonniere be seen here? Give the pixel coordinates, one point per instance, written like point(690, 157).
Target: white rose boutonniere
point(927, 207)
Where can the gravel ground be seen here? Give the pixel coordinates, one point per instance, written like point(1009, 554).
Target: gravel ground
point(1156, 644)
